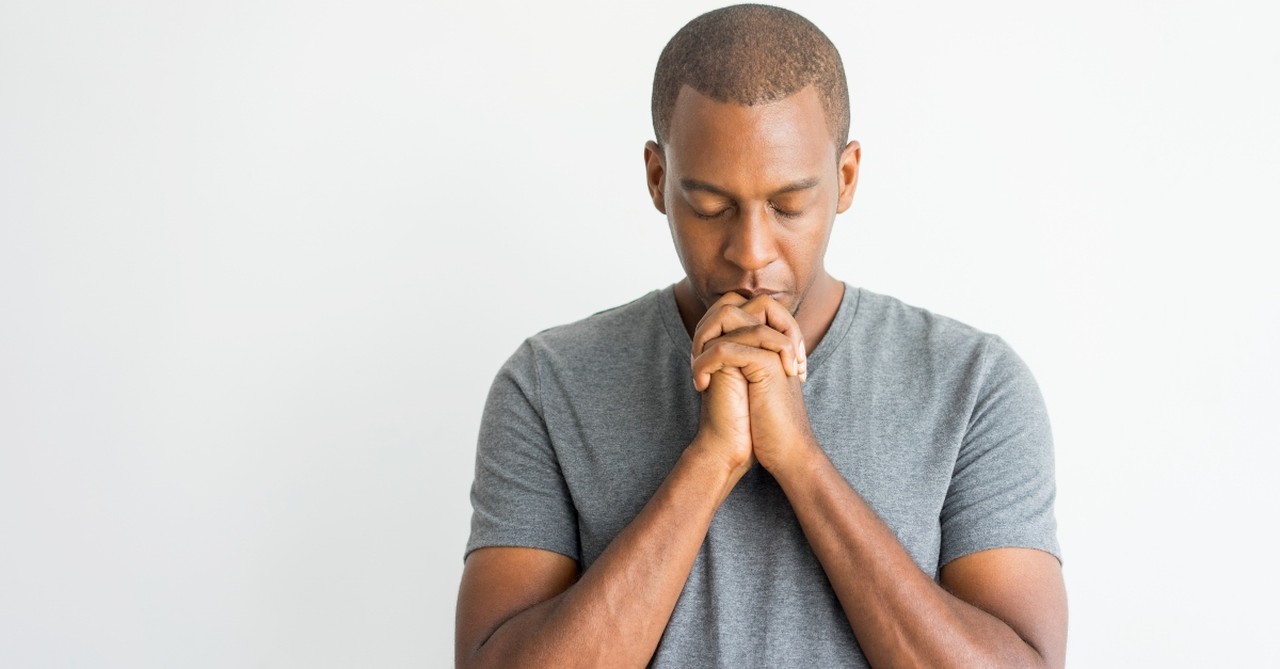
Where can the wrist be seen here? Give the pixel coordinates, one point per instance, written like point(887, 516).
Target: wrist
point(800, 463)
point(715, 465)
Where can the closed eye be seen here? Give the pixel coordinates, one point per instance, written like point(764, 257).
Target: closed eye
point(785, 213)
point(713, 216)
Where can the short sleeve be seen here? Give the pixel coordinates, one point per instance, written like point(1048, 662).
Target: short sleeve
point(519, 496)
point(1002, 489)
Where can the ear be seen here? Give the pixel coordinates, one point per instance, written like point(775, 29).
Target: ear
point(655, 167)
point(850, 158)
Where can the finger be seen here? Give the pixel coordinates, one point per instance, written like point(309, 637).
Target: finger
point(755, 362)
point(727, 320)
point(765, 337)
point(776, 316)
point(726, 300)
point(726, 371)
point(720, 319)
point(733, 311)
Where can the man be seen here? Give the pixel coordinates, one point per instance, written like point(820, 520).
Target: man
point(761, 466)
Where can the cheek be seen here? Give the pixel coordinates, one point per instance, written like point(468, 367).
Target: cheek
point(804, 247)
point(686, 249)
point(696, 246)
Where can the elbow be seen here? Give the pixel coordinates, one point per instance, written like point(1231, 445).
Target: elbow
point(1026, 657)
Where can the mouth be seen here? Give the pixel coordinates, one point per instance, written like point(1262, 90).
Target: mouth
point(751, 293)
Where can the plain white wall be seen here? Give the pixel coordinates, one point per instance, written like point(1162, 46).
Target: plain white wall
point(260, 260)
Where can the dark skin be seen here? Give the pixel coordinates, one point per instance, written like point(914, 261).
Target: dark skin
point(751, 194)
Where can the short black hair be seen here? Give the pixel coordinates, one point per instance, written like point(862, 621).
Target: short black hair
point(751, 54)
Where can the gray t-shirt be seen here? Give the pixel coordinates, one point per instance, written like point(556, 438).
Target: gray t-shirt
point(938, 426)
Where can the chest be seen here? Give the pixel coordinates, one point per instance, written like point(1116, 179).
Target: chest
point(616, 447)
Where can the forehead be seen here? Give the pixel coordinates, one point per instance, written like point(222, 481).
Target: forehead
point(749, 146)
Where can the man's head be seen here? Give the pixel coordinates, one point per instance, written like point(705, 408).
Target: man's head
point(750, 55)
point(751, 112)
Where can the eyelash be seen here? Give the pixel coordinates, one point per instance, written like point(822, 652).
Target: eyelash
point(781, 212)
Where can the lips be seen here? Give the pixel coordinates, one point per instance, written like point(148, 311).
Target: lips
point(749, 293)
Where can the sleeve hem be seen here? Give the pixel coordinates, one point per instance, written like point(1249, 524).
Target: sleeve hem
point(1049, 546)
point(539, 543)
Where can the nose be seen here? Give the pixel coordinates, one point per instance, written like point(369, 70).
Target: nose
point(751, 244)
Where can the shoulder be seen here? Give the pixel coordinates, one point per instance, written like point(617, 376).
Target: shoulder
point(603, 325)
point(913, 331)
point(911, 345)
point(596, 341)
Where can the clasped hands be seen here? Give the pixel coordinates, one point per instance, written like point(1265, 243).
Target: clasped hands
point(748, 361)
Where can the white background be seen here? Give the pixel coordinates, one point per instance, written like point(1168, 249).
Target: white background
point(259, 262)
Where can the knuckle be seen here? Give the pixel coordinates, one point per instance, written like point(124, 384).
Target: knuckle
point(729, 299)
point(739, 315)
point(712, 349)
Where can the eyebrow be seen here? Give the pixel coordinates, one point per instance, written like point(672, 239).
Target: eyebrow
point(694, 184)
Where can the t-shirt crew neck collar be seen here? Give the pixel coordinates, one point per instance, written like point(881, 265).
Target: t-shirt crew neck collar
point(830, 341)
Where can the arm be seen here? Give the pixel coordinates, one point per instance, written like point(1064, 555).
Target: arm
point(1003, 607)
point(998, 608)
point(522, 607)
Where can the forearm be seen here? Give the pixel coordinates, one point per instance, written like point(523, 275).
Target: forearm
point(900, 616)
point(616, 612)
